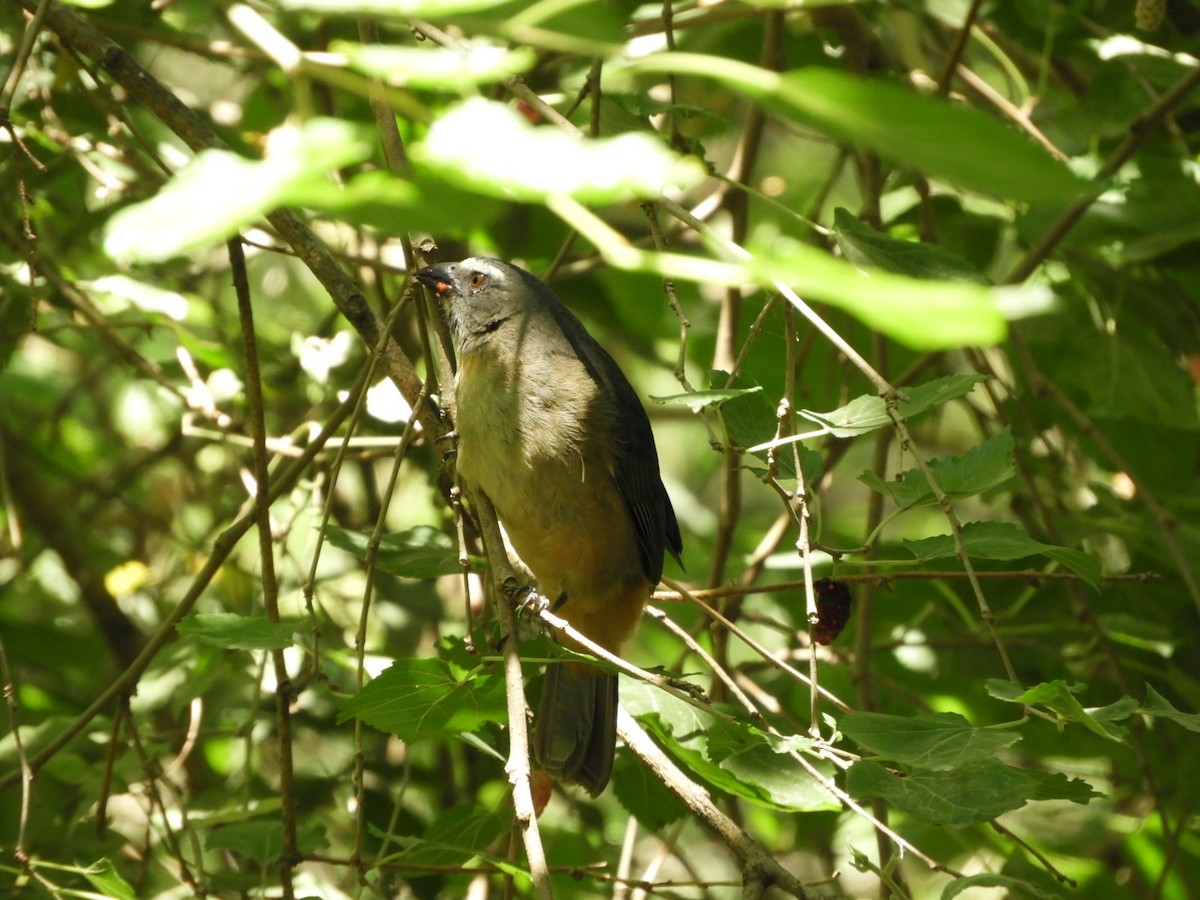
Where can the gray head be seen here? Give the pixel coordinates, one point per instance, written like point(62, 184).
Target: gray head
point(480, 294)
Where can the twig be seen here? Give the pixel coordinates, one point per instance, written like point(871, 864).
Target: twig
point(143, 88)
point(222, 547)
point(960, 44)
point(1139, 131)
point(518, 766)
point(266, 550)
point(755, 645)
point(1031, 575)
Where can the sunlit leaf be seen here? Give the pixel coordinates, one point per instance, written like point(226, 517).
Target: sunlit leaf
point(698, 400)
point(949, 140)
point(218, 193)
point(436, 67)
point(868, 412)
point(927, 315)
point(419, 699)
point(493, 149)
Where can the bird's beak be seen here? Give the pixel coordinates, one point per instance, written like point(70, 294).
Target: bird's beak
point(439, 278)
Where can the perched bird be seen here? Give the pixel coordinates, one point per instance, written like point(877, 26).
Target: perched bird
point(552, 432)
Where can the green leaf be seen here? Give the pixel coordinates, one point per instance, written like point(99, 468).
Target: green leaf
point(1004, 541)
point(394, 8)
point(948, 140)
point(865, 246)
point(454, 838)
point(861, 415)
point(223, 192)
point(384, 201)
point(516, 160)
point(967, 795)
point(698, 400)
point(937, 741)
point(754, 772)
point(1018, 888)
point(436, 68)
point(979, 469)
point(643, 795)
point(924, 397)
point(726, 738)
point(104, 877)
point(1158, 705)
point(868, 412)
point(1060, 697)
point(419, 552)
point(924, 315)
point(1057, 786)
point(419, 699)
point(260, 841)
point(234, 632)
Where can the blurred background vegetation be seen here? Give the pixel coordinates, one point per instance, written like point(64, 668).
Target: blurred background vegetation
point(1017, 181)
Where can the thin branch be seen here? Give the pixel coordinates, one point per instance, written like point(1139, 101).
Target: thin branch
point(222, 547)
point(518, 767)
point(960, 45)
point(1139, 131)
point(760, 865)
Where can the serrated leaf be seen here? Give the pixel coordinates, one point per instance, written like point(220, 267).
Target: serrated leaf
point(234, 632)
point(970, 794)
point(1003, 541)
point(1002, 689)
point(925, 396)
point(524, 162)
point(1058, 696)
point(1158, 705)
point(223, 192)
point(454, 838)
point(869, 412)
point(981, 468)
point(726, 738)
point(419, 552)
point(937, 741)
point(758, 774)
point(865, 246)
point(419, 699)
point(1057, 786)
point(698, 400)
point(861, 415)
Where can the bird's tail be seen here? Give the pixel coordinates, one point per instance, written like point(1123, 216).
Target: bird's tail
point(575, 733)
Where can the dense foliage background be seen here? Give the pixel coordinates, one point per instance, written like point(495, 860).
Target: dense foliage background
point(220, 533)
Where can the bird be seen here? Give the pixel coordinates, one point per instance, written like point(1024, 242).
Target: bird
point(551, 431)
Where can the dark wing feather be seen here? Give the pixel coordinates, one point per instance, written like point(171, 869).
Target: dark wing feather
point(634, 454)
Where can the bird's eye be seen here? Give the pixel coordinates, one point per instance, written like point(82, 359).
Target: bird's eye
point(478, 280)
